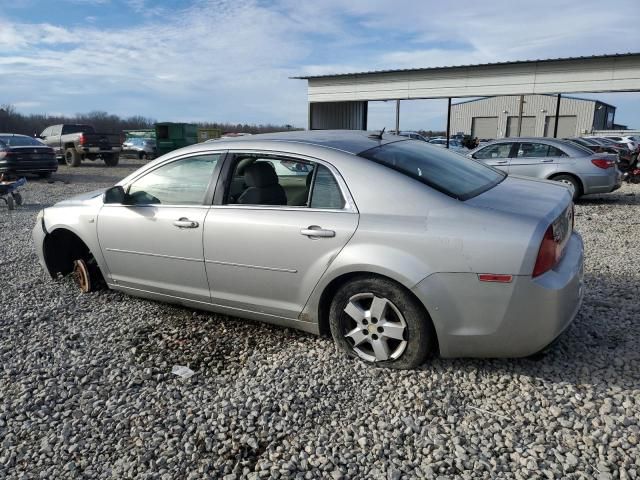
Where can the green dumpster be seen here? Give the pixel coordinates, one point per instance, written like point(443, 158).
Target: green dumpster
point(171, 136)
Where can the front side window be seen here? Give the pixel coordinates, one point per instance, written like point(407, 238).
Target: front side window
point(498, 150)
point(183, 182)
point(448, 172)
point(282, 181)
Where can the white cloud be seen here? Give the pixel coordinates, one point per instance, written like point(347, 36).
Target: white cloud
point(230, 60)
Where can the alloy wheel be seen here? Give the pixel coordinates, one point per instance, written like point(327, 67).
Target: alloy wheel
point(374, 327)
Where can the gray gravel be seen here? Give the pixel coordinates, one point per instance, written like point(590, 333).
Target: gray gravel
point(86, 389)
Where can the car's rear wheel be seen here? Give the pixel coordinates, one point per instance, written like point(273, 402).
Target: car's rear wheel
point(572, 182)
point(72, 157)
point(378, 321)
point(11, 203)
point(17, 198)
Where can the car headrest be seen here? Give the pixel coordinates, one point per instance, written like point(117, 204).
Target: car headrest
point(260, 175)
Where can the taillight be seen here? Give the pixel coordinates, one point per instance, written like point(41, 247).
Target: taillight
point(603, 163)
point(547, 253)
point(81, 139)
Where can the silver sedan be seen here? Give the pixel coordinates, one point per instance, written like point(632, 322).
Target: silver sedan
point(586, 172)
point(396, 248)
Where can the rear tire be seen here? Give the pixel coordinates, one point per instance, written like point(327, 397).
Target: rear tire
point(72, 157)
point(11, 204)
point(386, 325)
point(111, 160)
point(569, 180)
point(17, 198)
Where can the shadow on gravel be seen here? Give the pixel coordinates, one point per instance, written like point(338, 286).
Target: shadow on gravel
point(621, 199)
point(86, 178)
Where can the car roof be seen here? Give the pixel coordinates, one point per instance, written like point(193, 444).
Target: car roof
point(351, 141)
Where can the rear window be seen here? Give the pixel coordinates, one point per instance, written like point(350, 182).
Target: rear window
point(77, 129)
point(19, 141)
point(450, 173)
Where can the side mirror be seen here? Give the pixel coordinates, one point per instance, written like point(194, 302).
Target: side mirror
point(114, 195)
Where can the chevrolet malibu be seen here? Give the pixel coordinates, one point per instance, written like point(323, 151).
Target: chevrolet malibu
point(396, 248)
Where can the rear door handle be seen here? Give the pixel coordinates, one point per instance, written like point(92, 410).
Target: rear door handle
point(501, 162)
point(317, 232)
point(185, 223)
point(549, 160)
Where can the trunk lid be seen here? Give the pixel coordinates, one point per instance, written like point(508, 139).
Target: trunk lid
point(538, 199)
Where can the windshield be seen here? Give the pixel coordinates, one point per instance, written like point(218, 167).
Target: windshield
point(20, 141)
point(457, 176)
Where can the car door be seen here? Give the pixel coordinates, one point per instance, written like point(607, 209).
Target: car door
point(265, 251)
point(153, 241)
point(535, 159)
point(53, 139)
point(497, 155)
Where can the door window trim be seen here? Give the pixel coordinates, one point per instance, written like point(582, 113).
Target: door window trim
point(208, 197)
point(224, 180)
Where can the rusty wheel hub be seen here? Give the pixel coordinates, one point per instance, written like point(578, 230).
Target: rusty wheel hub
point(81, 275)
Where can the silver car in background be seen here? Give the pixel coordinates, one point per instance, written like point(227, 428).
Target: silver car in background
point(546, 158)
point(397, 248)
point(143, 148)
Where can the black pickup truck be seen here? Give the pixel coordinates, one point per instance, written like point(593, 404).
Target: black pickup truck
point(76, 142)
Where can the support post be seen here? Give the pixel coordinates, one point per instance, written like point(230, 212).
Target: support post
point(397, 117)
point(520, 108)
point(448, 120)
point(555, 126)
point(365, 114)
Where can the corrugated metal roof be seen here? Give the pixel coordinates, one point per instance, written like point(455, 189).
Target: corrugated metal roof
point(513, 62)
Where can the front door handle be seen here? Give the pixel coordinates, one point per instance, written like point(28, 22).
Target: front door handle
point(501, 162)
point(314, 231)
point(548, 160)
point(185, 223)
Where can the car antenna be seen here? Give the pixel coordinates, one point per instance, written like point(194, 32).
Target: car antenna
point(378, 135)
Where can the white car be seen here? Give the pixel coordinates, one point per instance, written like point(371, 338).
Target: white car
point(631, 142)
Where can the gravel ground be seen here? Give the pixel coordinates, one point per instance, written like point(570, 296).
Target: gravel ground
point(86, 389)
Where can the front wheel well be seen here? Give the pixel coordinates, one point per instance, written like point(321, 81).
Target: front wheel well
point(324, 305)
point(61, 248)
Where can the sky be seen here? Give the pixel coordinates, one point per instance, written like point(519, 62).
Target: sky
point(230, 60)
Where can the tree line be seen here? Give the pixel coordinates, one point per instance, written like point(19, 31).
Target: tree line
point(12, 121)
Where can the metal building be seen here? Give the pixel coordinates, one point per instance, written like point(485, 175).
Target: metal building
point(340, 100)
point(498, 117)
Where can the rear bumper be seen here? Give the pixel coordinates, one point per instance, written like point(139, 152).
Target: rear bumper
point(517, 319)
point(22, 166)
point(99, 150)
point(605, 182)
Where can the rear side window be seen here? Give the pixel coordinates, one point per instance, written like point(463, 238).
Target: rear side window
point(457, 176)
point(20, 141)
point(539, 150)
point(66, 129)
point(326, 192)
